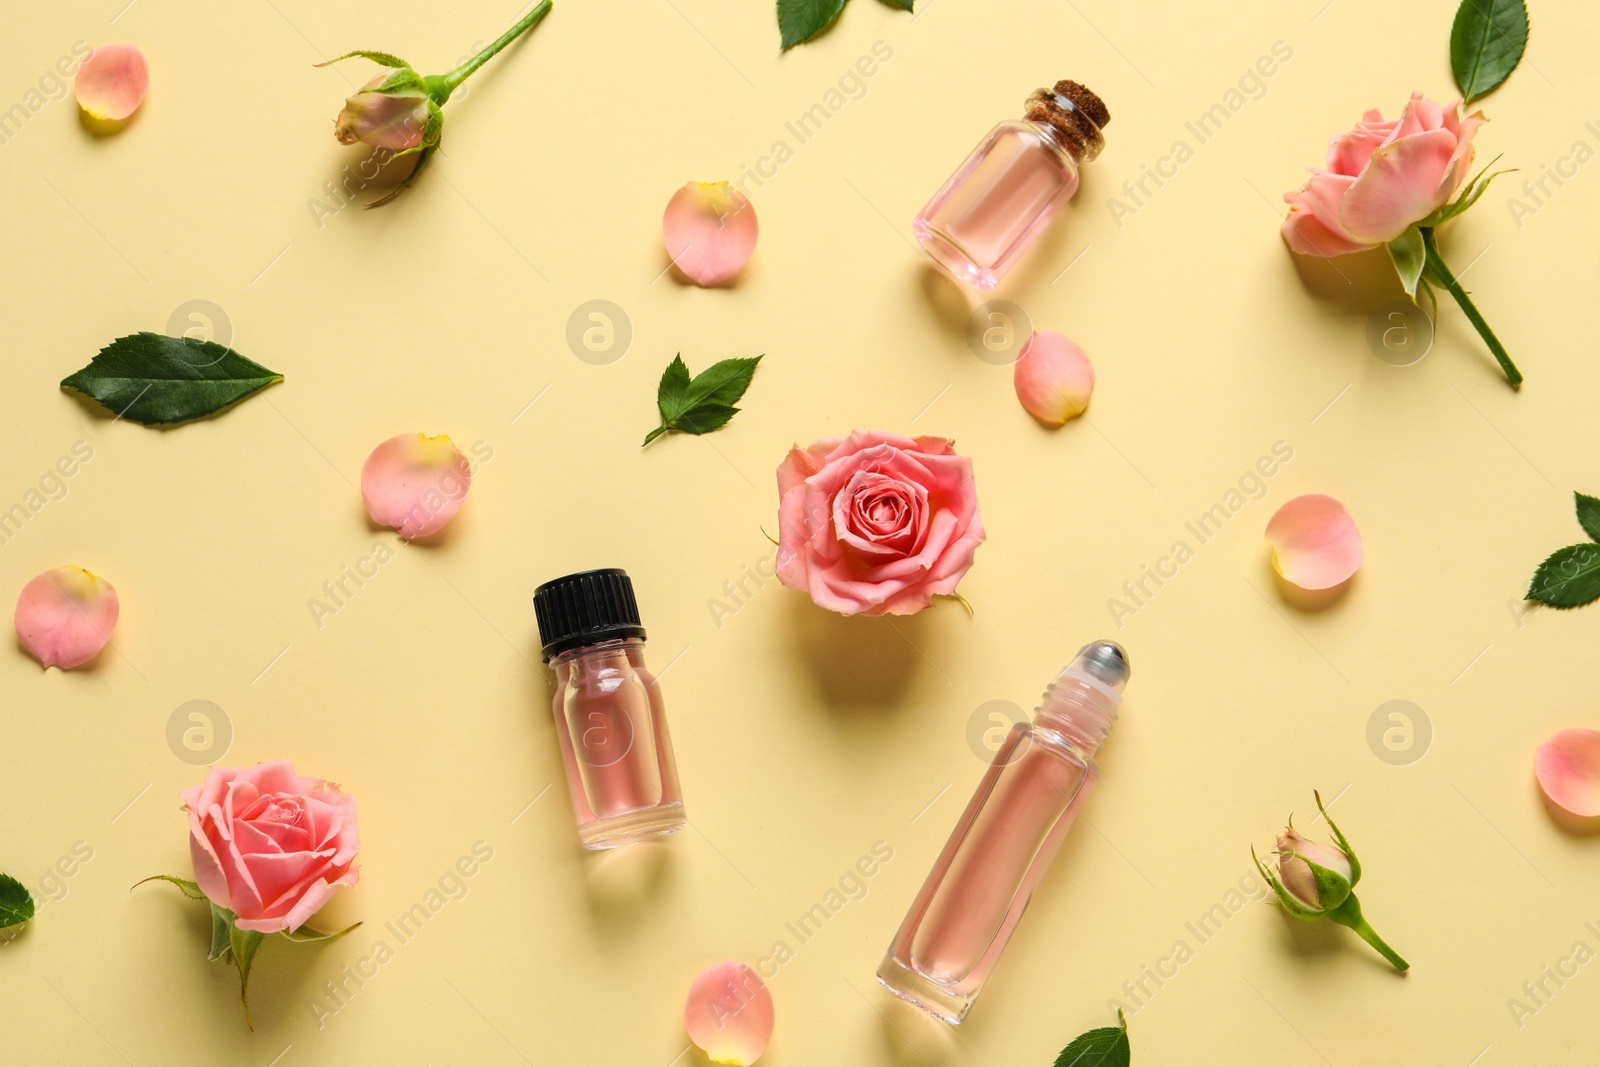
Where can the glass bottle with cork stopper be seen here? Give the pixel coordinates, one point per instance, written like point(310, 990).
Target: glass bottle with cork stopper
point(1002, 197)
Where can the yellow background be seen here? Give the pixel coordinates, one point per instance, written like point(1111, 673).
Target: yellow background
point(802, 738)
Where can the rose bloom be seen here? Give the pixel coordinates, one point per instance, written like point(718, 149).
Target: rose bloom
point(269, 845)
point(1382, 176)
point(875, 523)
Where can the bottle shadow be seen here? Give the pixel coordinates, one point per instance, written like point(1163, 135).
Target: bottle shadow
point(623, 884)
point(913, 1038)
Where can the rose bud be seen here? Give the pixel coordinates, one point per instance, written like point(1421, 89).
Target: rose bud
point(1316, 881)
point(1053, 378)
point(65, 617)
point(384, 119)
point(402, 112)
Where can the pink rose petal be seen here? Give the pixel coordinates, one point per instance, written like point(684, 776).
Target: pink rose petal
point(112, 82)
point(415, 484)
point(1053, 378)
point(710, 231)
point(1315, 543)
point(729, 1013)
point(65, 616)
point(1568, 766)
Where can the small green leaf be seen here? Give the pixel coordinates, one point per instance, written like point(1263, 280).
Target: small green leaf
point(724, 382)
point(705, 402)
point(155, 380)
point(1408, 253)
point(16, 903)
point(801, 20)
point(1568, 578)
point(1589, 514)
point(307, 935)
point(243, 945)
point(673, 391)
point(1106, 1046)
point(705, 418)
point(1486, 43)
point(383, 59)
point(903, 5)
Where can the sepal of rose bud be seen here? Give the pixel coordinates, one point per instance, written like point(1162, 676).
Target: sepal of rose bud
point(1053, 378)
point(65, 616)
point(415, 484)
point(388, 112)
point(729, 1013)
point(710, 231)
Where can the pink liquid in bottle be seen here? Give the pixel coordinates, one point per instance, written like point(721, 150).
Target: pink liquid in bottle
point(1008, 190)
point(609, 717)
point(979, 887)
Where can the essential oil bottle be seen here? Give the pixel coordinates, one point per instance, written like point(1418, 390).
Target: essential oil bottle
point(969, 906)
point(1000, 200)
point(610, 721)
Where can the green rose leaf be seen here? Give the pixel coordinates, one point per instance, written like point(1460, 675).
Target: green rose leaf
point(1106, 1046)
point(903, 5)
point(1589, 514)
point(155, 380)
point(705, 402)
point(801, 20)
point(16, 903)
point(1486, 43)
point(1568, 578)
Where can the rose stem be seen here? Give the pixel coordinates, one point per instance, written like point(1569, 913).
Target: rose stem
point(1349, 914)
point(1435, 266)
point(454, 79)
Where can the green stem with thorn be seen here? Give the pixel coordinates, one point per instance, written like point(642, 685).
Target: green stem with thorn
point(1435, 270)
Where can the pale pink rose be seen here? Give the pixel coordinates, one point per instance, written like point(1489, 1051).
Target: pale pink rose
point(269, 845)
point(875, 523)
point(1382, 176)
point(395, 121)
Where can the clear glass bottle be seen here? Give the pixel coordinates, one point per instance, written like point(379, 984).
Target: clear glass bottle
point(1000, 200)
point(972, 900)
point(609, 717)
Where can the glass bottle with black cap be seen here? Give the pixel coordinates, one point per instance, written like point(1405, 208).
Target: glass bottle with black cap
point(609, 717)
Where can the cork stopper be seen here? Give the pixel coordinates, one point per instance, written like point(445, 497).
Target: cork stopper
point(1073, 114)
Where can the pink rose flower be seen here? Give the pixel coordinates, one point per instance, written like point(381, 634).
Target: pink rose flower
point(269, 845)
point(1382, 176)
point(875, 523)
